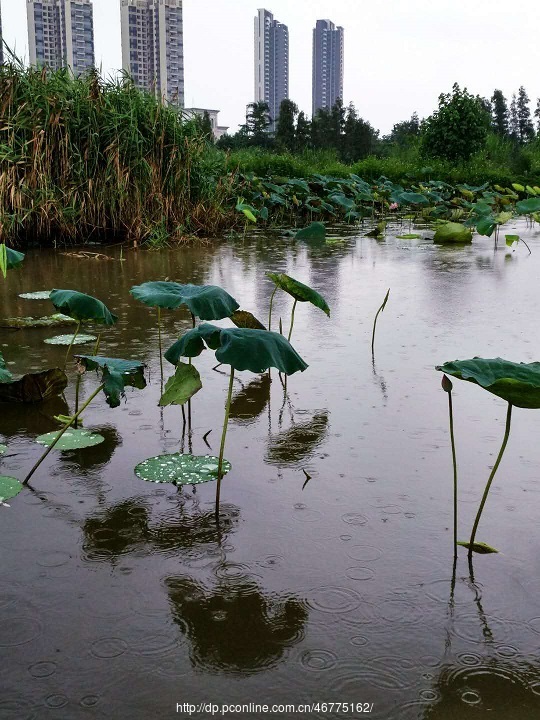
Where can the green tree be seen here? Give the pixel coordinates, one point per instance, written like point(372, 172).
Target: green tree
point(499, 114)
point(458, 128)
point(286, 131)
point(359, 138)
point(258, 122)
point(537, 116)
point(513, 126)
point(303, 132)
point(525, 124)
point(206, 127)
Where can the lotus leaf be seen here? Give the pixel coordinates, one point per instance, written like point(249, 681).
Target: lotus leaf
point(5, 375)
point(486, 226)
point(249, 211)
point(13, 258)
point(299, 291)
point(3, 449)
point(412, 198)
point(184, 384)
point(315, 231)
point(207, 302)
point(479, 547)
point(34, 387)
point(517, 383)
point(80, 339)
point(57, 320)
point(117, 374)
point(39, 295)
point(242, 349)
point(245, 319)
point(72, 439)
point(453, 233)
point(409, 236)
point(9, 488)
point(181, 469)
point(526, 207)
point(82, 307)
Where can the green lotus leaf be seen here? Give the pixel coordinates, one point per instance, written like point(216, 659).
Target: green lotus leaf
point(245, 319)
point(207, 302)
point(183, 385)
point(379, 231)
point(518, 187)
point(10, 487)
point(412, 198)
point(511, 239)
point(479, 547)
point(49, 321)
point(117, 375)
point(526, 207)
point(72, 439)
point(315, 231)
point(13, 258)
point(181, 469)
point(299, 291)
point(453, 233)
point(341, 200)
point(249, 211)
point(503, 217)
point(39, 295)
point(81, 339)
point(3, 449)
point(33, 387)
point(243, 349)
point(517, 383)
point(486, 226)
point(409, 236)
point(82, 307)
point(5, 375)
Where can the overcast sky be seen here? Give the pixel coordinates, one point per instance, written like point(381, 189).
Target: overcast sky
point(399, 54)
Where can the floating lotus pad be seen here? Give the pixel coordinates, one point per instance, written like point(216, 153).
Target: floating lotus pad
point(57, 320)
point(179, 469)
point(73, 439)
point(39, 295)
point(68, 339)
point(10, 487)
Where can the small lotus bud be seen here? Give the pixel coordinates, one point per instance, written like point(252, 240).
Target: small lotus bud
point(446, 384)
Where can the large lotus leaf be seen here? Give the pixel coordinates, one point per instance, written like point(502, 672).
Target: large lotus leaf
point(412, 198)
point(39, 295)
point(526, 207)
point(183, 385)
point(299, 291)
point(5, 375)
point(453, 233)
point(82, 307)
point(517, 383)
point(315, 231)
point(49, 321)
point(81, 339)
point(117, 374)
point(72, 439)
point(34, 387)
point(243, 349)
point(10, 487)
point(13, 258)
point(207, 302)
point(245, 319)
point(486, 226)
point(181, 469)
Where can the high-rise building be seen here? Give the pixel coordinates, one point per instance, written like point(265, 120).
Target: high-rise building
point(328, 44)
point(153, 46)
point(271, 62)
point(61, 34)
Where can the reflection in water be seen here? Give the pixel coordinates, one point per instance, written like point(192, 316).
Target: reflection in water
point(233, 627)
point(248, 404)
point(298, 442)
point(31, 419)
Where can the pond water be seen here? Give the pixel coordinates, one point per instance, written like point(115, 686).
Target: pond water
point(120, 598)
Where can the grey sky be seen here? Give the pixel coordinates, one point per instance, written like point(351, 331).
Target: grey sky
point(399, 55)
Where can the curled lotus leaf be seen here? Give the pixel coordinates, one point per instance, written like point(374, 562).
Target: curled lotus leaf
point(207, 302)
point(245, 319)
point(299, 291)
point(183, 385)
point(33, 387)
point(72, 439)
point(13, 258)
point(116, 375)
point(242, 349)
point(10, 487)
point(81, 339)
point(453, 233)
point(179, 469)
point(316, 231)
point(81, 307)
point(527, 207)
point(517, 383)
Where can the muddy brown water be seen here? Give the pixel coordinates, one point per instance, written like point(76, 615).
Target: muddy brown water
point(120, 599)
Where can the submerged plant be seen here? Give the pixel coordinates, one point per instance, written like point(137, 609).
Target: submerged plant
point(298, 291)
point(379, 311)
point(519, 385)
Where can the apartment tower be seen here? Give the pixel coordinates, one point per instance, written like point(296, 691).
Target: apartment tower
point(153, 46)
point(328, 46)
point(271, 62)
point(61, 34)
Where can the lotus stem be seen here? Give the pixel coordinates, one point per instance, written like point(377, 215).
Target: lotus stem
point(98, 343)
point(454, 464)
point(271, 308)
point(490, 480)
point(379, 311)
point(71, 344)
point(160, 346)
point(62, 431)
point(77, 391)
point(292, 320)
point(222, 446)
point(528, 248)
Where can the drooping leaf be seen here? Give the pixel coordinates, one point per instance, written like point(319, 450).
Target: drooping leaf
point(207, 302)
point(453, 233)
point(511, 239)
point(10, 487)
point(181, 469)
point(299, 291)
point(117, 374)
point(72, 439)
point(517, 383)
point(182, 386)
point(82, 307)
point(479, 547)
point(81, 339)
point(243, 349)
point(249, 211)
point(12, 259)
point(49, 321)
point(315, 231)
point(412, 198)
point(486, 226)
point(39, 295)
point(33, 387)
point(245, 319)
point(526, 207)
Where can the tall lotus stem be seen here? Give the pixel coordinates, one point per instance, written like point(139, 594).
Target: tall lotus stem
point(77, 392)
point(222, 447)
point(61, 432)
point(379, 311)
point(160, 346)
point(490, 480)
point(271, 308)
point(98, 343)
point(71, 344)
point(292, 320)
point(447, 387)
